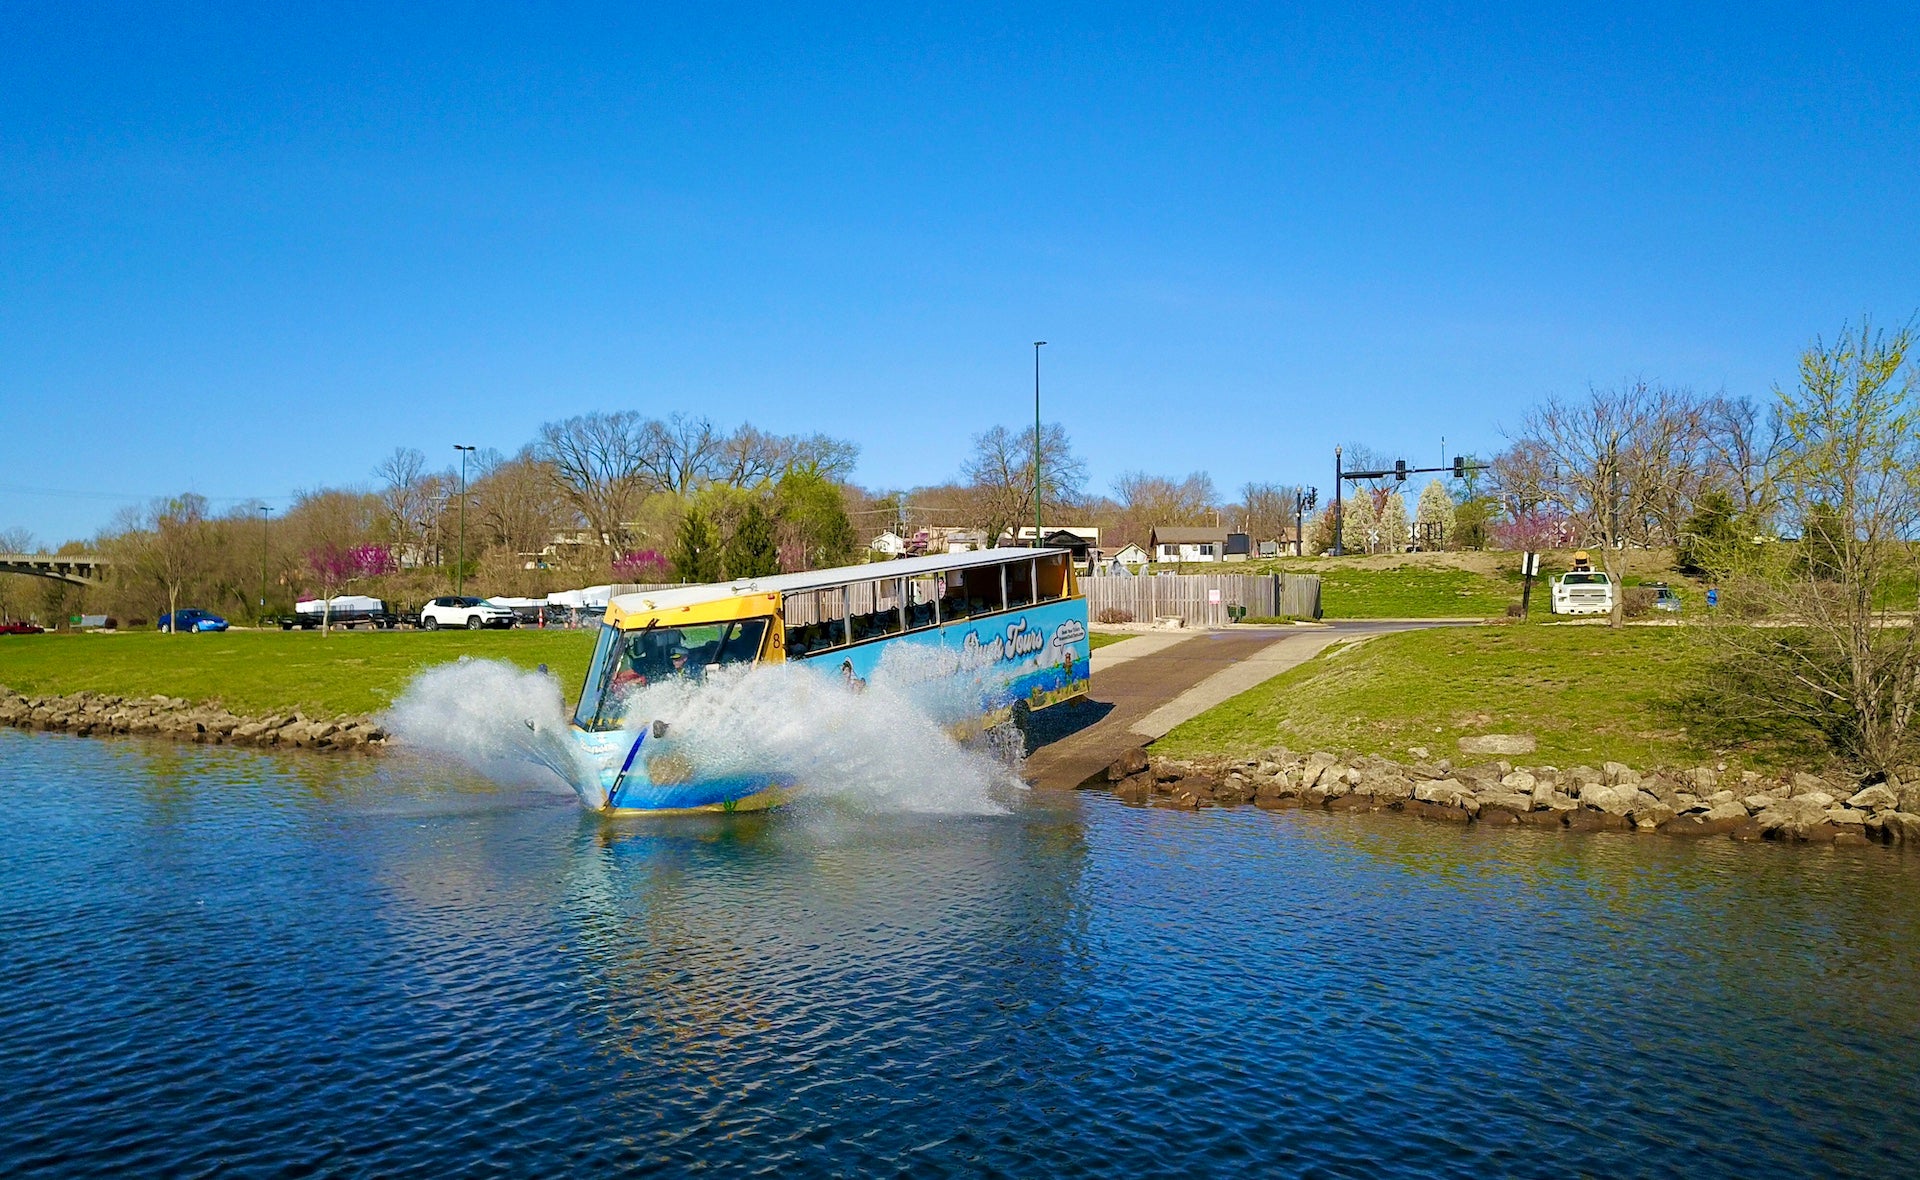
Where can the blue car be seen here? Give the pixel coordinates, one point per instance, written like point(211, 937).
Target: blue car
point(193, 619)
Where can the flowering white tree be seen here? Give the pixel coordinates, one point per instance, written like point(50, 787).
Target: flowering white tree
point(1359, 523)
point(1434, 515)
point(1395, 533)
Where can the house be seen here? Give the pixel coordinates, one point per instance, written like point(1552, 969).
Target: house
point(1131, 555)
point(889, 543)
point(1180, 543)
point(952, 540)
point(1287, 544)
point(1085, 536)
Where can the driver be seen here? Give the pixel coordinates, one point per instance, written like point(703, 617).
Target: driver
point(650, 657)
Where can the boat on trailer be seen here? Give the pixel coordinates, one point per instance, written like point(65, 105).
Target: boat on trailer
point(1006, 628)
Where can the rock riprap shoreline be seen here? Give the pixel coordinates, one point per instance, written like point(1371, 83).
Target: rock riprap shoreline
point(1701, 801)
point(86, 714)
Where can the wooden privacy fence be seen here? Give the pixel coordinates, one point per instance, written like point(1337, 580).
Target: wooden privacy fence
point(1202, 599)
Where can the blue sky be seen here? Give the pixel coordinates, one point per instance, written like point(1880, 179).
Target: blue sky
point(246, 252)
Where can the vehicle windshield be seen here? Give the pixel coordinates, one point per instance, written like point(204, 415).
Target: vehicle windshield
point(625, 661)
point(1584, 580)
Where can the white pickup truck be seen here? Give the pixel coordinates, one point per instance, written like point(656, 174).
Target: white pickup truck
point(1581, 592)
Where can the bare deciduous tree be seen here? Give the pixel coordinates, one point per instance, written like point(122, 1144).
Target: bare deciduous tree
point(514, 505)
point(1522, 477)
point(14, 588)
point(169, 552)
point(1266, 511)
point(405, 490)
point(749, 457)
point(1000, 471)
point(1614, 456)
point(600, 465)
point(681, 453)
point(1741, 444)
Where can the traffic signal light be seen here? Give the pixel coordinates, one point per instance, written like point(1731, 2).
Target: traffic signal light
point(1459, 467)
point(1400, 470)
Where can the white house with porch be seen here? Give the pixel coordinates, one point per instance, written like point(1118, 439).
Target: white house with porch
point(1179, 543)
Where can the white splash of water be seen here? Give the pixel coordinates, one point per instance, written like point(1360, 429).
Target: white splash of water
point(498, 719)
point(881, 747)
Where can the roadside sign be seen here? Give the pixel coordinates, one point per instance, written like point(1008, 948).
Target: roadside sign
point(1530, 565)
point(1213, 598)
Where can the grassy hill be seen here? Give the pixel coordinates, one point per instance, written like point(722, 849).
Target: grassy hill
point(1586, 692)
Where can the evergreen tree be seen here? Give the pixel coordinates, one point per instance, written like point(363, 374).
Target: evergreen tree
point(1708, 538)
point(753, 550)
point(696, 549)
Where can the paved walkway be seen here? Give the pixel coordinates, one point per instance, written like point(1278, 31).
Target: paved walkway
point(1144, 686)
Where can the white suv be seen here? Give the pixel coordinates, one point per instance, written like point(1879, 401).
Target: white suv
point(471, 613)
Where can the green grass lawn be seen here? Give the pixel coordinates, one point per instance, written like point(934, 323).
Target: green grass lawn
point(258, 672)
point(1097, 639)
point(1587, 693)
point(1411, 592)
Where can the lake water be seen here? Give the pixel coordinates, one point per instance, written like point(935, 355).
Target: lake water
point(225, 961)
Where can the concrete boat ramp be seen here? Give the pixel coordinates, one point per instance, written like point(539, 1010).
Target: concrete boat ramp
point(1146, 685)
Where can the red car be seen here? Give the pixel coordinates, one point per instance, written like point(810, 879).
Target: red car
point(19, 628)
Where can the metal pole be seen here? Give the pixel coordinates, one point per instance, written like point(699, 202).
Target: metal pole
point(1339, 509)
point(460, 571)
point(1036, 442)
point(263, 561)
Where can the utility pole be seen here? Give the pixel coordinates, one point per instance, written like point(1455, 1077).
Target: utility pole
point(460, 571)
point(1037, 345)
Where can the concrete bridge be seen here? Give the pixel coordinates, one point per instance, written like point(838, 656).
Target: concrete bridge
point(79, 569)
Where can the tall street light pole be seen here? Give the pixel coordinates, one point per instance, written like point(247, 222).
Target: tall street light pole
point(1037, 345)
point(460, 571)
point(263, 560)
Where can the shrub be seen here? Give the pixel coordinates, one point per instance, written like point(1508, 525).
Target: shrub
point(1114, 614)
point(1636, 601)
point(1515, 610)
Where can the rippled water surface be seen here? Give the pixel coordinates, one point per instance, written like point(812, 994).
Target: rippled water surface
point(218, 960)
